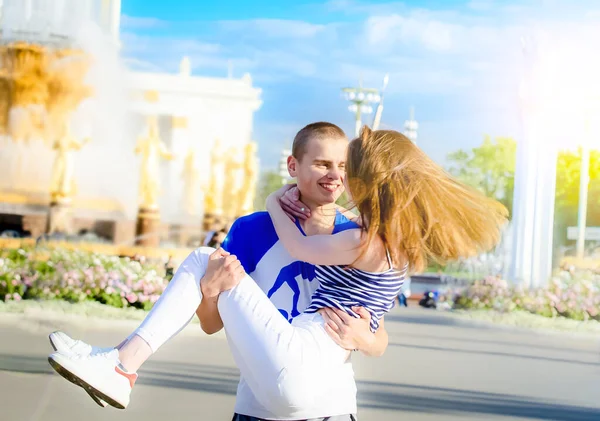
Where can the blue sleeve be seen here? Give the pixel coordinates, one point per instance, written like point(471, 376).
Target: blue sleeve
point(237, 243)
point(250, 238)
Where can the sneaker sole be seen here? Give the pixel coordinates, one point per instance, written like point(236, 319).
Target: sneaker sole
point(100, 403)
point(81, 383)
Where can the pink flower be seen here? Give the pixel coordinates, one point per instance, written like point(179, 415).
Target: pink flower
point(16, 297)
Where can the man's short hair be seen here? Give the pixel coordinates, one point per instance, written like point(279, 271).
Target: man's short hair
point(314, 130)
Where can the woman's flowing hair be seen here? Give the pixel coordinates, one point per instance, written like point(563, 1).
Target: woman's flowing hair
point(418, 209)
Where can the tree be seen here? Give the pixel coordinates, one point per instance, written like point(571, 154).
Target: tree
point(270, 181)
point(568, 172)
point(489, 168)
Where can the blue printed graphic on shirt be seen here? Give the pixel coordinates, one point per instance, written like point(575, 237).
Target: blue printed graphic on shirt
point(288, 283)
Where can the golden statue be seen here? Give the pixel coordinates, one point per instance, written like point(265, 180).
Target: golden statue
point(234, 173)
point(191, 185)
point(248, 192)
point(63, 184)
point(213, 198)
point(151, 148)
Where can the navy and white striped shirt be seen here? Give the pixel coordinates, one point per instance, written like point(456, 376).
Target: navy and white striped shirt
point(343, 288)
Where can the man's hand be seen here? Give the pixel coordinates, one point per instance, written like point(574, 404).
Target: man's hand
point(292, 206)
point(224, 272)
point(349, 332)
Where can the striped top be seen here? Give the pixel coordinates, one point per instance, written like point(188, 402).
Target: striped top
point(343, 288)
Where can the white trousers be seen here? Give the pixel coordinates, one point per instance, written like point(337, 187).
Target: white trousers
point(286, 365)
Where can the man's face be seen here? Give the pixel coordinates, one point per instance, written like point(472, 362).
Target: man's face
point(320, 172)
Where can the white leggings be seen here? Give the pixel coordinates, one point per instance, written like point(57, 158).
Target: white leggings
point(286, 365)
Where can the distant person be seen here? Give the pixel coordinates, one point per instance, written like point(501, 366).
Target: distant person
point(404, 293)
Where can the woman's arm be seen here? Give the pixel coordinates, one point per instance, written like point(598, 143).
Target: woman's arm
point(338, 249)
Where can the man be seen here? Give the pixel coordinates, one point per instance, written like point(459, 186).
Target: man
point(318, 164)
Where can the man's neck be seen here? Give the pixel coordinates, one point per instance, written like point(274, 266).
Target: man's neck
point(321, 221)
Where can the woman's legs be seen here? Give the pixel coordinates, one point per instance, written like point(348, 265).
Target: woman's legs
point(171, 313)
point(284, 365)
point(276, 359)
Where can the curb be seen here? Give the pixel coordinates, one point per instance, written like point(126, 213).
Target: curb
point(46, 320)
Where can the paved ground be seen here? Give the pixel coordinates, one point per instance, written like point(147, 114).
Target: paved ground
point(436, 368)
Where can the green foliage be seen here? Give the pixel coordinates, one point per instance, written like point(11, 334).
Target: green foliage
point(567, 191)
point(489, 168)
point(270, 181)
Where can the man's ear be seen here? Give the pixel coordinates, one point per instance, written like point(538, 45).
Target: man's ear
point(292, 165)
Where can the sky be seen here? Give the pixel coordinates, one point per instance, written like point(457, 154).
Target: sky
point(458, 62)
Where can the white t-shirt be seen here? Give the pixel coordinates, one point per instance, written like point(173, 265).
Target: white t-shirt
point(289, 284)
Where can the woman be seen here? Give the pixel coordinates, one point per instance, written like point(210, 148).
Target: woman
point(411, 212)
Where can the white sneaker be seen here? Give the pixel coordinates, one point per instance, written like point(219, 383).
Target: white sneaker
point(64, 344)
point(98, 373)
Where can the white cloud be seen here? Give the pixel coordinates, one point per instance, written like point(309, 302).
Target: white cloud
point(481, 5)
point(421, 30)
point(276, 28)
point(137, 22)
point(364, 7)
point(460, 67)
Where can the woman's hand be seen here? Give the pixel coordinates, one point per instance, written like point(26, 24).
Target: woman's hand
point(288, 198)
point(349, 332)
point(292, 206)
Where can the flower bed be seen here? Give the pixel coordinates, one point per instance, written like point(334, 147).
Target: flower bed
point(75, 276)
point(571, 294)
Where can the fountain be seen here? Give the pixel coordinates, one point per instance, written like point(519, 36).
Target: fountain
point(70, 114)
point(41, 84)
point(45, 66)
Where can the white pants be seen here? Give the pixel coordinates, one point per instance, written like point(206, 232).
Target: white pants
point(286, 365)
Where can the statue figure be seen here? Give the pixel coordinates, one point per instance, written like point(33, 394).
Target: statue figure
point(151, 148)
point(248, 192)
point(213, 198)
point(191, 186)
point(62, 183)
point(234, 173)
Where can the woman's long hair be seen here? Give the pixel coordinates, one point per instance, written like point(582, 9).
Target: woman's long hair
point(419, 211)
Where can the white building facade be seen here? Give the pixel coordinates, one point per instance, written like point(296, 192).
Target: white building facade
point(192, 111)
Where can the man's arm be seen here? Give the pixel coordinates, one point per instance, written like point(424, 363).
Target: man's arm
point(215, 282)
point(208, 313)
point(224, 272)
point(379, 345)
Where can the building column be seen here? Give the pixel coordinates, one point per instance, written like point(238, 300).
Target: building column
point(533, 206)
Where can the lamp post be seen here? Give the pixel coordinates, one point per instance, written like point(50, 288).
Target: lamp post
point(361, 100)
point(379, 110)
point(584, 181)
